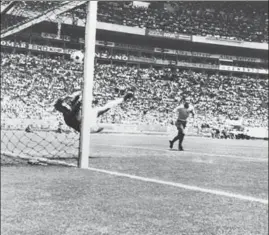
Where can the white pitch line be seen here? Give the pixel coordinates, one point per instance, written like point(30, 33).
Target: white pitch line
point(194, 153)
point(183, 186)
point(189, 137)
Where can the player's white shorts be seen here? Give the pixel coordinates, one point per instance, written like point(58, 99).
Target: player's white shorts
point(93, 121)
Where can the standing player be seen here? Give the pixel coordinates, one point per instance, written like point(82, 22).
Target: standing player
point(183, 111)
point(70, 107)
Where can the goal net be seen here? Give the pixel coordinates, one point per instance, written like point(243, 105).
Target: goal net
point(36, 70)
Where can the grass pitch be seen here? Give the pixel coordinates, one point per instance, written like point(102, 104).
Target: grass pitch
point(60, 200)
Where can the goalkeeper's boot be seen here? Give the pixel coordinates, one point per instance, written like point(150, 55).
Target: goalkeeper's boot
point(180, 148)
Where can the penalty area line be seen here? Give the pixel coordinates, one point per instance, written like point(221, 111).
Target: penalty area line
point(183, 186)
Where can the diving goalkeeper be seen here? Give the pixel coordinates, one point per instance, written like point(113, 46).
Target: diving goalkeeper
point(70, 107)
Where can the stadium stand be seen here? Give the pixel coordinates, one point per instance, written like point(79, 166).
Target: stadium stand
point(234, 20)
point(157, 91)
point(241, 21)
point(31, 82)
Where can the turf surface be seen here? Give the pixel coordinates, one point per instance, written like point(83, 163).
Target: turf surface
point(60, 200)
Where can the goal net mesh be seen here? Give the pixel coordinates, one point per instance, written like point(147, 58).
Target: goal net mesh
point(33, 78)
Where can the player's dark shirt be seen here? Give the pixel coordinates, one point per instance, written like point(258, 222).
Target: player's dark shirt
point(71, 118)
point(72, 121)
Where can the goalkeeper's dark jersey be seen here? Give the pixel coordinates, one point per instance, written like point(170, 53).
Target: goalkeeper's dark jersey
point(70, 107)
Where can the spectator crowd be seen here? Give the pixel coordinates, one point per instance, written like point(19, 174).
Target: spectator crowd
point(247, 21)
point(30, 84)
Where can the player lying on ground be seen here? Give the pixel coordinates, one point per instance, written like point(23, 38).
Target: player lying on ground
point(70, 107)
point(183, 111)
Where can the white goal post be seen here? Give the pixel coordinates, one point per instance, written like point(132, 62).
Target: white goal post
point(89, 56)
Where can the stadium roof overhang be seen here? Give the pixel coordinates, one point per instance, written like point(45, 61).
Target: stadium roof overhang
point(49, 14)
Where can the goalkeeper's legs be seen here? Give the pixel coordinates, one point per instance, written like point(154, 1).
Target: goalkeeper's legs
point(112, 104)
point(108, 106)
point(99, 111)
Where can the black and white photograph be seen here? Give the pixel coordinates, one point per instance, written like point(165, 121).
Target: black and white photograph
point(134, 117)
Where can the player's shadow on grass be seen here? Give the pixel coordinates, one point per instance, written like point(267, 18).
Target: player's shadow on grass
point(102, 157)
point(107, 156)
point(174, 150)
